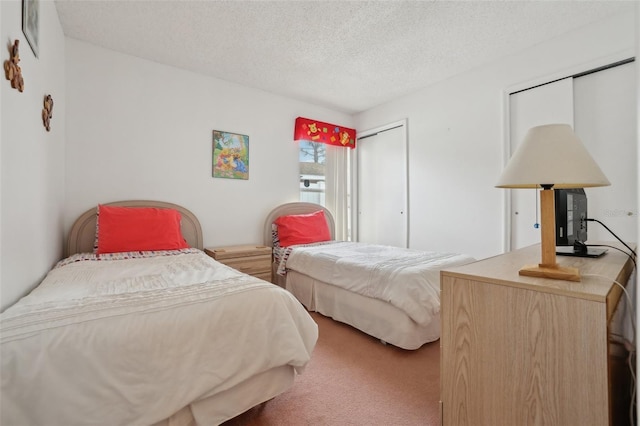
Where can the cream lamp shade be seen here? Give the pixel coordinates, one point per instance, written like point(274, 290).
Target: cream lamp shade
point(551, 156)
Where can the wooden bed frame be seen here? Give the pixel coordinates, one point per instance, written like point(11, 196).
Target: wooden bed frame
point(210, 409)
point(372, 316)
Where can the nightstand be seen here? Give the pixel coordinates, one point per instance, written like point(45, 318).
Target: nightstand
point(250, 259)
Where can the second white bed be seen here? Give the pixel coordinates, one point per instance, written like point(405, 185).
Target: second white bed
point(382, 313)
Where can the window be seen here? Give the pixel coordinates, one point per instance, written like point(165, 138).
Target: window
point(325, 176)
point(312, 171)
point(324, 159)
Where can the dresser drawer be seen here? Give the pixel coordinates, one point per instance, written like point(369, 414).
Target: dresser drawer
point(249, 264)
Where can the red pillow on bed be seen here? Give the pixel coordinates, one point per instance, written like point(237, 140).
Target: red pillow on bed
point(302, 228)
point(138, 229)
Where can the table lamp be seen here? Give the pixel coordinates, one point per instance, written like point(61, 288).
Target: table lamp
point(551, 156)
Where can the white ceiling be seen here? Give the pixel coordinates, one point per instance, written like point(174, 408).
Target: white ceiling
point(345, 55)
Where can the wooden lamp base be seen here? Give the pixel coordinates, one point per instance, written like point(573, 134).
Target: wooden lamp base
point(549, 268)
point(554, 272)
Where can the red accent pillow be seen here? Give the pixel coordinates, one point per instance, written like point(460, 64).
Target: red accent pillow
point(138, 229)
point(303, 229)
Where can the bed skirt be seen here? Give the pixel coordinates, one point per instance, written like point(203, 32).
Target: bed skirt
point(218, 408)
point(372, 316)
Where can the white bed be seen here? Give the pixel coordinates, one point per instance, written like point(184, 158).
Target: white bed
point(171, 338)
point(404, 319)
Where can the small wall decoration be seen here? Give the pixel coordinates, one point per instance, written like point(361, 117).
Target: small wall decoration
point(47, 112)
point(230, 155)
point(31, 23)
point(12, 70)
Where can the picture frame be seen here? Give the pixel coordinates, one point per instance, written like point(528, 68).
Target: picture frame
point(230, 155)
point(31, 23)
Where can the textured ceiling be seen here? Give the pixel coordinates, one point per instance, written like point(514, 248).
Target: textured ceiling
point(345, 55)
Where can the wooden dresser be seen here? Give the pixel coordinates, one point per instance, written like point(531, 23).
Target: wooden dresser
point(251, 259)
point(519, 350)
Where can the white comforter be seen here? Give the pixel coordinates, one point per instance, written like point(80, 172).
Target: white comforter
point(125, 342)
point(408, 279)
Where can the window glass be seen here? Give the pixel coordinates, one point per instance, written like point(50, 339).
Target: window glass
point(312, 172)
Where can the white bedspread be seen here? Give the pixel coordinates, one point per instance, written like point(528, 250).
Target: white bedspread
point(124, 342)
point(408, 279)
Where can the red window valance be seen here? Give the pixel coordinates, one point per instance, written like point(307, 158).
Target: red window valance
point(317, 131)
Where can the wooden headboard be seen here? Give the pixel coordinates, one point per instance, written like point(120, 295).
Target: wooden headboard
point(295, 208)
point(83, 232)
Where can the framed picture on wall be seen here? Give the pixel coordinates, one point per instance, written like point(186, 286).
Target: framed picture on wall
point(230, 155)
point(31, 23)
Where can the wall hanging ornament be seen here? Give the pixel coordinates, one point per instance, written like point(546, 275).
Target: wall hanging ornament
point(47, 112)
point(230, 155)
point(31, 23)
point(12, 70)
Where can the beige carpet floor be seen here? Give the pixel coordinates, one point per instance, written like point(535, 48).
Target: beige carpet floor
point(353, 379)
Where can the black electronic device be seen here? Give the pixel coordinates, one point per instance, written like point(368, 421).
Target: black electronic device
point(571, 224)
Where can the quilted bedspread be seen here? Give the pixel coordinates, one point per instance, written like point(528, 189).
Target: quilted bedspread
point(132, 341)
point(408, 279)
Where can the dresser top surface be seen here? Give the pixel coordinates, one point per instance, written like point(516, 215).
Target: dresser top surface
point(597, 274)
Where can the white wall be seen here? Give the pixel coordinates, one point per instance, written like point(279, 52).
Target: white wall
point(456, 137)
point(31, 159)
point(138, 129)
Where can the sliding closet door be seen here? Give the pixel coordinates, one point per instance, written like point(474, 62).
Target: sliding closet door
point(382, 187)
point(605, 121)
point(547, 104)
point(600, 105)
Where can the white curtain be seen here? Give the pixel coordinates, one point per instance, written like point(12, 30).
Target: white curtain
point(337, 192)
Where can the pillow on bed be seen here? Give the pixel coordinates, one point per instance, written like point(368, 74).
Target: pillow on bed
point(138, 229)
point(302, 229)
